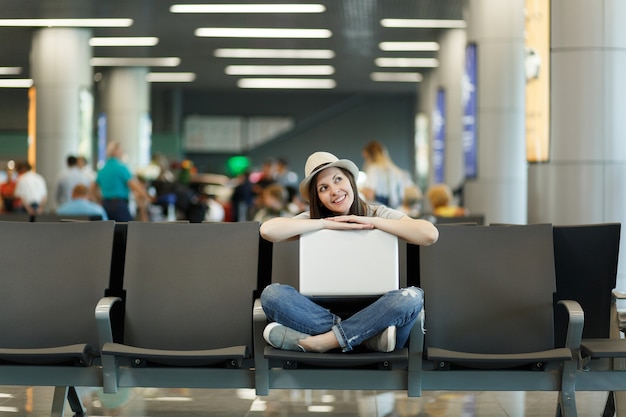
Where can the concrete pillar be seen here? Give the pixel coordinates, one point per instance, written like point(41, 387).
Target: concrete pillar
point(499, 191)
point(585, 178)
point(126, 104)
point(62, 78)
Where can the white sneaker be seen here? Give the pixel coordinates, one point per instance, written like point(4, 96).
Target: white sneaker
point(385, 341)
point(282, 337)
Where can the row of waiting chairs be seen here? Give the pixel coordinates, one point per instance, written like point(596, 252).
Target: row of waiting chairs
point(47, 217)
point(112, 305)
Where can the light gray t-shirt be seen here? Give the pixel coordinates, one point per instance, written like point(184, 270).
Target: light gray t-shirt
point(373, 210)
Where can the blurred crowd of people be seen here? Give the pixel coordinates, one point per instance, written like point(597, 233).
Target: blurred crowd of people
point(164, 191)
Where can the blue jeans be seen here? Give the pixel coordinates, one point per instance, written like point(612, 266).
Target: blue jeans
point(400, 308)
point(117, 209)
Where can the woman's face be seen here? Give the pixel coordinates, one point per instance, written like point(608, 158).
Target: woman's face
point(334, 190)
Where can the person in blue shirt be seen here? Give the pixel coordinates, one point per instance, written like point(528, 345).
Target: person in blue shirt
point(80, 205)
point(115, 182)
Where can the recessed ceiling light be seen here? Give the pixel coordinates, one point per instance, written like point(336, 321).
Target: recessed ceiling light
point(171, 77)
point(16, 83)
point(274, 53)
point(404, 77)
point(10, 70)
point(290, 83)
point(247, 8)
point(92, 23)
point(423, 23)
point(320, 408)
point(279, 70)
point(124, 41)
point(262, 33)
point(407, 62)
point(409, 46)
point(135, 62)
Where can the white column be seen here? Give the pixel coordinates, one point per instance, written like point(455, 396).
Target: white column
point(585, 179)
point(62, 78)
point(450, 75)
point(126, 103)
point(499, 192)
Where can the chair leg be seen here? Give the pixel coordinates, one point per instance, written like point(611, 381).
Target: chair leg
point(566, 406)
point(75, 402)
point(620, 403)
point(609, 408)
point(58, 401)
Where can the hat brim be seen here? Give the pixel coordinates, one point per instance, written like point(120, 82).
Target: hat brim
point(341, 163)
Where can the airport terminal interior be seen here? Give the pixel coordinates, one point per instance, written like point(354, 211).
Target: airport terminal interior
point(148, 402)
point(458, 115)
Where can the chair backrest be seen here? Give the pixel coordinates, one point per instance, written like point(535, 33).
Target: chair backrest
point(586, 258)
point(489, 289)
point(475, 219)
point(53, 275)
point(15, 217)
point(59, 218)
point(286, 263)
point(190, 285)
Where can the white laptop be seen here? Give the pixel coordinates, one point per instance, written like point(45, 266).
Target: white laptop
point(348, 263)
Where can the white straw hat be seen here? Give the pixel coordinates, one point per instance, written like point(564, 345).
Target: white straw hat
point(319, 161)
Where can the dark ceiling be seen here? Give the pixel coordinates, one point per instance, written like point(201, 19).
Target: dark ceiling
point(355, 25)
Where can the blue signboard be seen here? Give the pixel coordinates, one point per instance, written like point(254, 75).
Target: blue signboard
point(439, 136)
point(102, 140)
point(469, 112)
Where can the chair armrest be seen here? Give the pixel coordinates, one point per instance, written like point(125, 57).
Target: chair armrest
point(618, 314)
point(618, 295)
point(105, 335)
point(259, 321)
point(103, 319)
point(575, 325)
point(257, 311)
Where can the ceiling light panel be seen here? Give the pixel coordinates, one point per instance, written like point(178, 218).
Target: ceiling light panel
point(279, 70)
point(124, 41)
point(247, 8)
point(423, 23)
point(171, 77)
point(16, 83)
point(407, 77)
point(409, 46)
point(274, 53)
point(407, 62)
point(289, 83)
point(263, 33)
point(10, 70)
point(135, 62)
point(85, 23)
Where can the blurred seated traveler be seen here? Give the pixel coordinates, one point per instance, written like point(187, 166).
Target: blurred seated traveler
point(30, 188)
point(80, 205)
point(10, 203)
point(440, 198)
point(273, 203)
point(412, 201)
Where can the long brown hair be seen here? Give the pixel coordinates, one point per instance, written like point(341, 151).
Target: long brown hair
point(320, 211)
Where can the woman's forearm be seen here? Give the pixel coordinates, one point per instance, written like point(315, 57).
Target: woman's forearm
point(415, 231)
point(284, 228)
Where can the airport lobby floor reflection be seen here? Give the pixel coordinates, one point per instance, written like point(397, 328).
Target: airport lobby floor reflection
point(152, 402)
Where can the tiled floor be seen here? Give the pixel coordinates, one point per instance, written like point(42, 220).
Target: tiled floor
point(14, 402)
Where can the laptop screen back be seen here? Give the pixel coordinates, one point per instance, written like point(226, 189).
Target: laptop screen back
point(348, 262)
